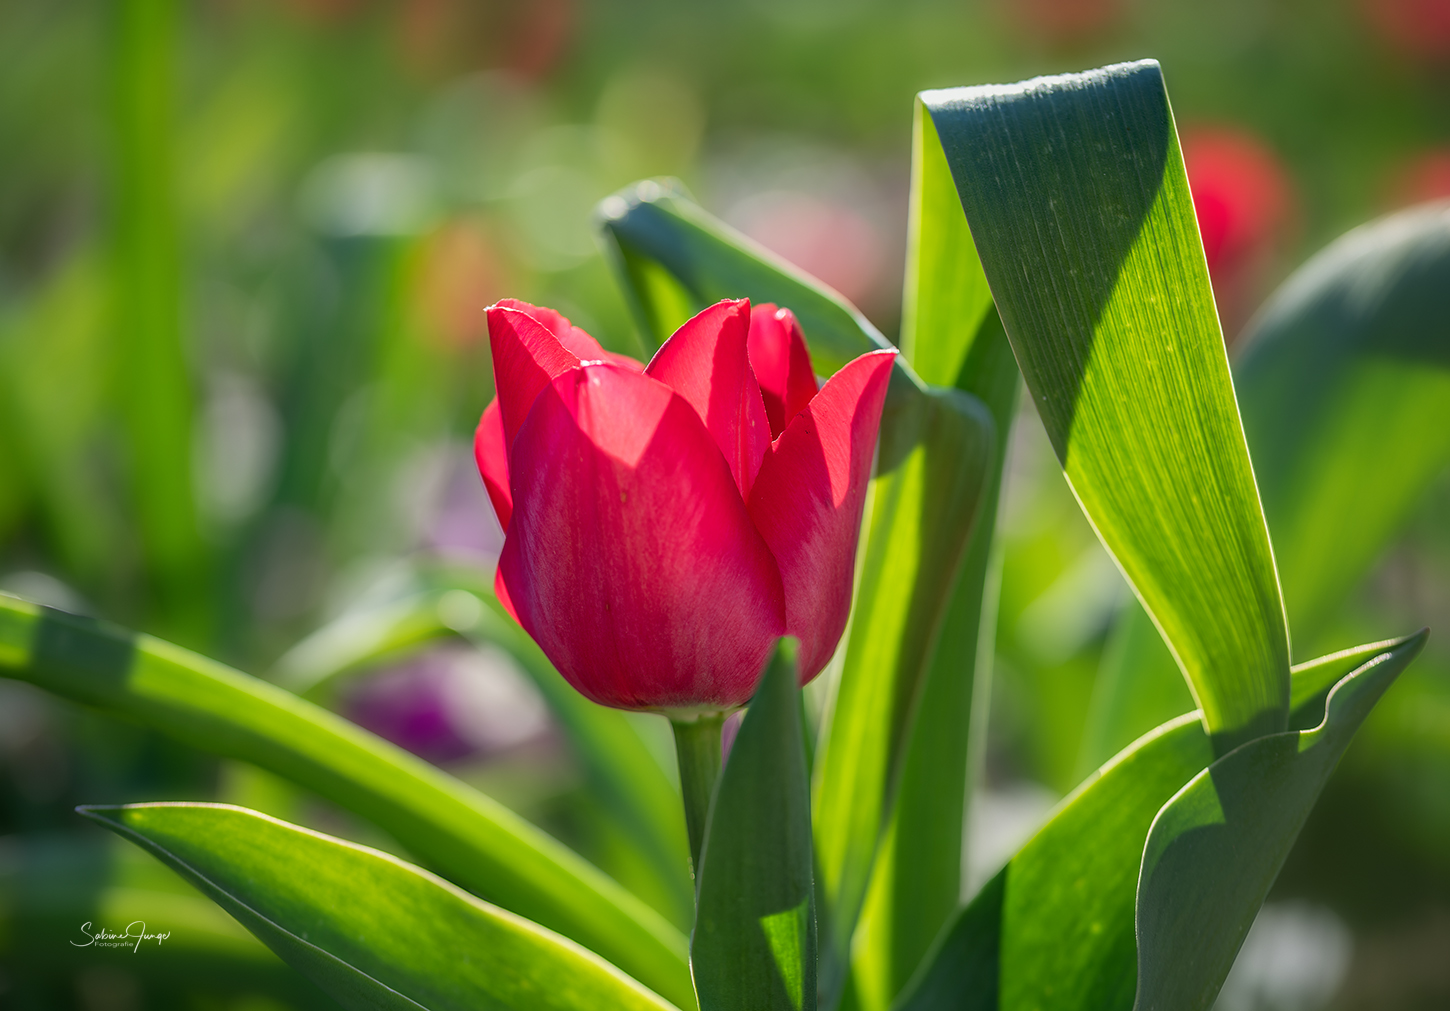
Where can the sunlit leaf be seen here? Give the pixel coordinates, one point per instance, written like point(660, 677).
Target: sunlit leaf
point(368, 928)
point(1075, 192)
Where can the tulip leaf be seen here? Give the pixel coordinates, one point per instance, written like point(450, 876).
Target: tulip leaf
point(952, 335)
point(630, 785)
point(754, 945)
point(1217, 846)
point(1346, 372)
point(1076, 195)
point(920, 522)
point(368, 928)
point(1061, 913)
point(1346, 369)
point(465, 834)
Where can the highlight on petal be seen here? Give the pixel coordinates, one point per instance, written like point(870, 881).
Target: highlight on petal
point(526, 356)
point(491, 452)
point(781, 363)
point(575, 340)
point(706, 362)
point(808, 498)
point(631, 559)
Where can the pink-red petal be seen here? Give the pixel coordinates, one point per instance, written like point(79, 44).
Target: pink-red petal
point(575, 340)
point(808, 498)
point(631, 559)
point(491, 452)
point(526, 356)
point(706, 362)
point(782, 364)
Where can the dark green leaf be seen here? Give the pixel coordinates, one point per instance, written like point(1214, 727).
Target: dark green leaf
point(754, 945)
point(371, 930)
point(1217, 846)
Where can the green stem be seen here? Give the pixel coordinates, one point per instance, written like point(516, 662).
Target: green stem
point(697, 747)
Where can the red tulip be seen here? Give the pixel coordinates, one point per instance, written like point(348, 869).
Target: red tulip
point(665, 523)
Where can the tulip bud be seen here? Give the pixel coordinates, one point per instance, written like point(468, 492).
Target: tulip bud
point(664, 524)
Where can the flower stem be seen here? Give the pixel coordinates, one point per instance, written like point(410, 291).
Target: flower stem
point(697, 747)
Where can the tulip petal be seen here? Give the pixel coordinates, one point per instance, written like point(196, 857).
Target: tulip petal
point(706, 362)
point(575, 340)
point(526, 356)
point(631, 559)
point(491, 452)
point(781, 363)
point(808, 498)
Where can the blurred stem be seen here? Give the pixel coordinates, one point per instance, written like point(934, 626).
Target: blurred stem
point(697, 748)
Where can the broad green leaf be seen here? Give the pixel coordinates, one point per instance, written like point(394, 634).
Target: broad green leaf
point(933, 467)
point(1217, 846)
point(1061, 912)
point(754, 944)
point(466, 835)
point(952, 335)
point(631, 787)
point(1346, 372)
point(368, 928)
point(1077, 199)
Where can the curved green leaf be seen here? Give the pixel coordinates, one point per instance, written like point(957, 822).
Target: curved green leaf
point(1061, 913)
point(1217, 846)
point(754, 945)
point(466, 835)
point(1075, 192)
point(371, 930)
point(952, 335)
point(1346, 372)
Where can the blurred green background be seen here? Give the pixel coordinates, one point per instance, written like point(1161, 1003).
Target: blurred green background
point(244, 251)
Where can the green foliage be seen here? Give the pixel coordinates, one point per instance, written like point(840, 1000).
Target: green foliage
point(754, 943)
point(1077, 198)
point(1217, 846)
point(371, 930)
point(468, 836)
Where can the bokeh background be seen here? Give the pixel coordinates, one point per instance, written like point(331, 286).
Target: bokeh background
point(244, 250)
